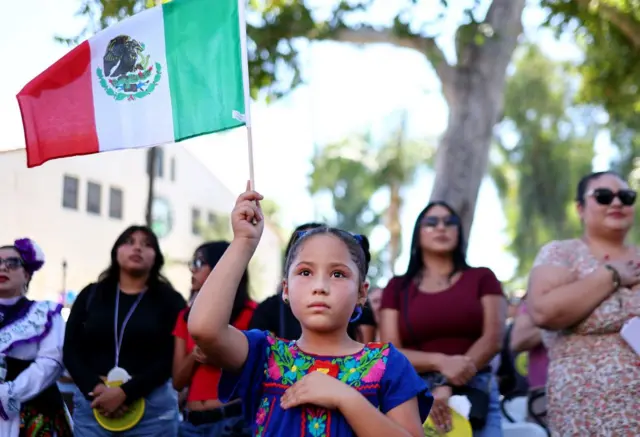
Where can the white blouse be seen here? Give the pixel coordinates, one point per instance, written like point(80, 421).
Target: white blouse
point(46, 354)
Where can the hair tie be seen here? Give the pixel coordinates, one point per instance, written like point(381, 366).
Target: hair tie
point(31, 254)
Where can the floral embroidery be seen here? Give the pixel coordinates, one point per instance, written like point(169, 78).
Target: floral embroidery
point(286, 364)
point(261, 417)
point(317, 422)
point(326, 367)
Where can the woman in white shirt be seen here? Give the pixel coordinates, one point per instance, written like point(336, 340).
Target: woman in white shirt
point(31, 338)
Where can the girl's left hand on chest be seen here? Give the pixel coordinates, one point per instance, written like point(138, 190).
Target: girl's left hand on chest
point(318, 389)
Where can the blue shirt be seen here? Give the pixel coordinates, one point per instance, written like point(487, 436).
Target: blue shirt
point(379, 372)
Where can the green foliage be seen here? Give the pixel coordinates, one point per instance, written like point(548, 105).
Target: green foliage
point(536, 177)
point(354, 170)
point(278, 29)
point(609, 32)
point(347, 170)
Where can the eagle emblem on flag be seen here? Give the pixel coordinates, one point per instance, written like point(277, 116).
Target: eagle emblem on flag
point(127, 72)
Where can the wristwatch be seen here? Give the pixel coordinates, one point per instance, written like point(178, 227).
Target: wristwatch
point(615, 276)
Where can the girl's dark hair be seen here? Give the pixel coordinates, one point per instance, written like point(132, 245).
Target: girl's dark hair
point(583, 184)
point(211, 254)
point(358, 246)
point(416, 265)
point(112, 274)
point(294, 235)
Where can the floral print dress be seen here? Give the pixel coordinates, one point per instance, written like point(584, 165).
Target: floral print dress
point(379, 372)
point(593, 382)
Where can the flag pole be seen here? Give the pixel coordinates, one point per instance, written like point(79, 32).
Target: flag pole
point(246, 87)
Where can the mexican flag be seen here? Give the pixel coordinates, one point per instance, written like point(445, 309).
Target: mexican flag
point(164, 75)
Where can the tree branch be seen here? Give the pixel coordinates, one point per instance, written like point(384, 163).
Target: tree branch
point(427, 46)
point(628, 26)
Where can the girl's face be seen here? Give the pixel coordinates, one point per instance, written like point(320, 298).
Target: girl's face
point(199, 271)
point(323, 284)
point(136, 255)
point(608, 204)
point(13, 276)
point(439, 230)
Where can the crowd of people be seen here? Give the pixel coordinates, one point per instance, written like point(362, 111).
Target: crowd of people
point(326, 355)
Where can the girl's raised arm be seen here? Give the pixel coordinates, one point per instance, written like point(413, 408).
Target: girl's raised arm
point(209, 326)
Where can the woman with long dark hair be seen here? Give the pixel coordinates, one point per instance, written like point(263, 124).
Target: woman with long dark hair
point(205, 415)
point(275, 316)
point(118, 345)
point(448, 318)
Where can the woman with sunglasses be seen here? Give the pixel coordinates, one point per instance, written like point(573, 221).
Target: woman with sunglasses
point(31, 336)
point(448, 318)
point(204, 414)
point(582, 292)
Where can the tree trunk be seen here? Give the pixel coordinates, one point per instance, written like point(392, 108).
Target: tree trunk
point(393, 225)
point(474, 90)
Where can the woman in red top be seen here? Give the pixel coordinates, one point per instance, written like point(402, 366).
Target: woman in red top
point(205, 415)
point(448, 318)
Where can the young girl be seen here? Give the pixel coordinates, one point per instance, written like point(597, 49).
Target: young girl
point(325, 384)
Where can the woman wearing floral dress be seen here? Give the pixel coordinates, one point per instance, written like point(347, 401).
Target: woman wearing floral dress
point(582, 291)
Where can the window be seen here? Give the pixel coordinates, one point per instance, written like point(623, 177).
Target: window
point(159, 161)
point(94, 194)
point(70, 187)
point(195, 221)
point(115, 203)
point(212, 219)
point(172, 169)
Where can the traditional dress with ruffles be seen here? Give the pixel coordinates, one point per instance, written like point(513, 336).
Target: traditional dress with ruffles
point(31, 339)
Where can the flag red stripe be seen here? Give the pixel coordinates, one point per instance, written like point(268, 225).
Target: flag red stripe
point(57, 110)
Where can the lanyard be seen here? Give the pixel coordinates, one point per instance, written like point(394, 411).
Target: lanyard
point(118, 339)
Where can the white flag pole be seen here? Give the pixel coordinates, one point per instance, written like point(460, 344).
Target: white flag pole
point(246, 85)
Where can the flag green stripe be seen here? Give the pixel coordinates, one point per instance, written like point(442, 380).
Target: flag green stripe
point(202, 39)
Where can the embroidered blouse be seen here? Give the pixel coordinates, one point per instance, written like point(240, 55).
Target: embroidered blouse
point(379, 372)
point(35, 334)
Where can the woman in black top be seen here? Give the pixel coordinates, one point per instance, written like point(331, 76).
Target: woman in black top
point(119, 346)
point(276, 316)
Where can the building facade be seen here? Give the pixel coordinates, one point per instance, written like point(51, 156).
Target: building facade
point(75, 208)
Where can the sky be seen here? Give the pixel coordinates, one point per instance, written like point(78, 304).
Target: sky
point(348, 89)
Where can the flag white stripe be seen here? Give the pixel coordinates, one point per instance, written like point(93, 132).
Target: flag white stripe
point(144, 121)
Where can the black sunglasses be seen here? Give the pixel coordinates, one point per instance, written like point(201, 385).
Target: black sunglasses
point(197, 264)
point(432, 221)
point(605, 196)
point(11, 263)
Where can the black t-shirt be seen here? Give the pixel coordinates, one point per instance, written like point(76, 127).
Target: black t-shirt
point(275, 316)
point(147, 343)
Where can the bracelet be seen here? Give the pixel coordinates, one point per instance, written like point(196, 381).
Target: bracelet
point(615, 276)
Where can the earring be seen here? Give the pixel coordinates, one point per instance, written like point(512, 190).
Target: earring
point(356, 314)
point(285, 300)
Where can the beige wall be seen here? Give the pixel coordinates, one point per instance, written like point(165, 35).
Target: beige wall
point(31, 202)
